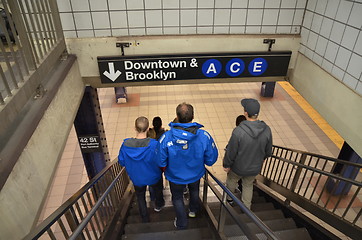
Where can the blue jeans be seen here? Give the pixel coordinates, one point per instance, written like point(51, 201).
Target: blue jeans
point(178, 201)
point(141, 198)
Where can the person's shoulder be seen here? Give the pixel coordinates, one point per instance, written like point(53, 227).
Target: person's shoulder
point(164, 136)
point(204, 134)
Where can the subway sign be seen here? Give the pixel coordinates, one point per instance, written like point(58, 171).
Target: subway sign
point(120, 69)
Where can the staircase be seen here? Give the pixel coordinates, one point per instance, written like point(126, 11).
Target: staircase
point(103, 208)
point(283, 228)
point(161, 224)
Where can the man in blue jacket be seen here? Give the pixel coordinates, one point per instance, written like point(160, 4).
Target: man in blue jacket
point(139, 156)
point(184, 151)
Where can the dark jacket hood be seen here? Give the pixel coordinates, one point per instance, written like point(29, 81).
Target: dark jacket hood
point(137, 149)
point(253, 128)
point(184, 131)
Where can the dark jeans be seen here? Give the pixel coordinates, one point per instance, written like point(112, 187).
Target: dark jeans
point(178, 201)
point(141, 199)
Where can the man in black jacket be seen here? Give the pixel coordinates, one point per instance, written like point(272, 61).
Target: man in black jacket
point(249, 144)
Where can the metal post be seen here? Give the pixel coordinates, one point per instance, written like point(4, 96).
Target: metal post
point(56, 19)
point(297, 175)
point(221, 223)
point(206, 183)
point(25, 44)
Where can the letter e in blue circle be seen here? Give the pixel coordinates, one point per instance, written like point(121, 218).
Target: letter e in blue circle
point(257, 66)
point(211, 68)
point(235, 67)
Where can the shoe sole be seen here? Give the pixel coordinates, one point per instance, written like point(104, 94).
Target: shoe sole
point(192, 215)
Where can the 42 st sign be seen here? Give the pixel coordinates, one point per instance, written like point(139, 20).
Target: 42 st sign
point(118, 69)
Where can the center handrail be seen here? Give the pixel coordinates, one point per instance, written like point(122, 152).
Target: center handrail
point(265, 229)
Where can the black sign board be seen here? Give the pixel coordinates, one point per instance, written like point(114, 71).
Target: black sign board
point(90, 143)
point(117, 69)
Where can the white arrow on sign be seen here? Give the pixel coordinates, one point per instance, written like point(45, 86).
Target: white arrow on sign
point(111, 74)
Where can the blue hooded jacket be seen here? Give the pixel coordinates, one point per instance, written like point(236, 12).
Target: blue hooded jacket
point(140, 161)
point(184, 150)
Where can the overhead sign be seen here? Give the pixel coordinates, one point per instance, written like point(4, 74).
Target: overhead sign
point(117, 69)
point(89, 143)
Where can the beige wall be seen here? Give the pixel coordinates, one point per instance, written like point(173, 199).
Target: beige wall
point(26, 187)
point(339, 105)
point(88, 49)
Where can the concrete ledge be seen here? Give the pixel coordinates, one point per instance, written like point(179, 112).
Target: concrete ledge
point(22, 127)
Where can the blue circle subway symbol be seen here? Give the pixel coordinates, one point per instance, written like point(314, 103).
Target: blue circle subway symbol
point(257, 66)
point(235, 67)
point(211, 68)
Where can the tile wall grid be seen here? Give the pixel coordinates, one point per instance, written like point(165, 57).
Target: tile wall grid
point(331, 37)
point(102, 18)
point(330, 29)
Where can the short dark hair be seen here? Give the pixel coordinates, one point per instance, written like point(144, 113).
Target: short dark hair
point(185, 112)
point(141, 124)
point(239, 119)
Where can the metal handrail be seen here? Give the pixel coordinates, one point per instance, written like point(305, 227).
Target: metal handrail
point(265, 229)
point(91, 213)
point(27, 41)
point(359, 184)
point(309, 181)
point(71, 210)
point(336, 160)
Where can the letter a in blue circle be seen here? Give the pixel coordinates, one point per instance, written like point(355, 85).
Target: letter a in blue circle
point(211, 68)
point(235, 67)
point(257, 66)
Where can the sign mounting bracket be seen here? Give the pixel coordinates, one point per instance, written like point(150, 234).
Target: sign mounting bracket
point(122, 45)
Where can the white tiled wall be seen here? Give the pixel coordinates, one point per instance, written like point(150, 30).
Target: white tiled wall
point(92, 18)
point(332, 38)
point(330, 29)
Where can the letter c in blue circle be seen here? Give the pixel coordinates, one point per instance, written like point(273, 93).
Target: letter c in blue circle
point(211, 68)
point(257, 66)
point(235, 67)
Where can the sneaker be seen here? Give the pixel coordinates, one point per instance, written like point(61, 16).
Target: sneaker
point(231, 202)
point(192, 214)
point(174, 222)
point(158, 209)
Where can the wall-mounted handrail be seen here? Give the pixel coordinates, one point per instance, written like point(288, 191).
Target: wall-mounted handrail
point(28, 38)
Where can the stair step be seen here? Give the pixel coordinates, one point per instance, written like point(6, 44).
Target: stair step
point(166, 214)
point(162, 226)
point(166, 209)
point(274, 225)
point(295, 234)
point(258, 199)
point(257, 207)
point(263, 215)
point(189, 234)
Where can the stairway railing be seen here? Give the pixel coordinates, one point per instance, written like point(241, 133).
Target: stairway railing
point(309, 181)
point(225, 208)
point(89, 212)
